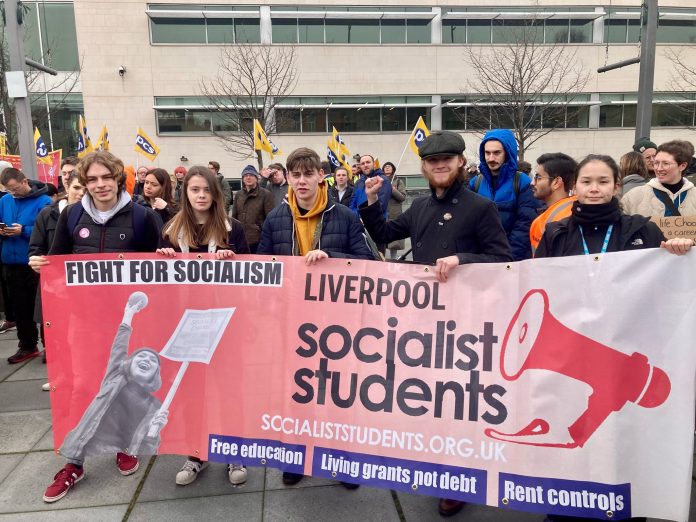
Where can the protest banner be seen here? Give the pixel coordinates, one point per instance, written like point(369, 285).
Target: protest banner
point(558, 386)
point(677, 226)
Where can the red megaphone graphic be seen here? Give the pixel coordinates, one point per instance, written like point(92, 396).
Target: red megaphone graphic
point(536, 340)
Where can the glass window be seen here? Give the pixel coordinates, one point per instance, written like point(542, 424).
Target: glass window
point(60, 36)
point(418, 32)
point(65, 113)
point(183, 120)
point(225, 122)
point(352, 31)
point(556, 31)
point(311, 31)
point(287, 120)
point(393, 31)
point(453, 118)
point(478, 31)
point(413, 113)
point(610, 115)
point(676, 31)
point(672, 115)
point(314, 120)
point(633, 31)
point(284, 30)
point(177, 30)
point(513, 31)
point(454, 31)
point(581, 31)
point(32, 44)
point(578, 117)
point(553, 117)
point(220, 30)
point(393, 119)
point(615, 31)
point(629, 115)
point(354, 120)
point(247, 30)
point(478, 117)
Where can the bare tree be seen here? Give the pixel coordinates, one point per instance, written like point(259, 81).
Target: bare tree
point(524, 85)
point(682, 81)
point(251, 81)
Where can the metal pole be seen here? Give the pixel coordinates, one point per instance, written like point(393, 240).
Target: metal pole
point(646, 80)
point(22, 106)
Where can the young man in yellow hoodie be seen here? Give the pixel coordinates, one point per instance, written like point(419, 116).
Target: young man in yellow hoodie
point(309, 224)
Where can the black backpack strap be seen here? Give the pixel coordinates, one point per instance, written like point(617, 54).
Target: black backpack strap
point(477, 182)
point(516, 182)
point(669, 204)
point(74, 217)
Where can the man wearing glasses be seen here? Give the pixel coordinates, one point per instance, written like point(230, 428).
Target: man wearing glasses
point(552, 183)
point(273, 179)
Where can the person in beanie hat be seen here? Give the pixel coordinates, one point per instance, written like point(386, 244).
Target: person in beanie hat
point(251, 206)
point(648, 149)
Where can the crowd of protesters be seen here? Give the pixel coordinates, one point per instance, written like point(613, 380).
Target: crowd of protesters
point(499, 211)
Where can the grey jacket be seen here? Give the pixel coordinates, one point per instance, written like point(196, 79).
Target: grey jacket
point(84, 439)
point(630, 182)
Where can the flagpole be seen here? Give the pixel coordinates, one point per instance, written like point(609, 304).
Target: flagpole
point(405, 146)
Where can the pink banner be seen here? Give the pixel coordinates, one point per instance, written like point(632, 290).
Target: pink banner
point(526, 386)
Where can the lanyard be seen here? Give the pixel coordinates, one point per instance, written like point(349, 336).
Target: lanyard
point(604, 245)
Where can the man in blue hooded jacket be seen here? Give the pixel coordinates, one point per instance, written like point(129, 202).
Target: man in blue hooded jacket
point(511, 191)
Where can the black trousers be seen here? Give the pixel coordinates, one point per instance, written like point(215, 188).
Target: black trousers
point(21, 283)
point(6, 304)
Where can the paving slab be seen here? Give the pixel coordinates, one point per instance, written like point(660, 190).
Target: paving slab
point(103, 485)
point(102, 514)
point(45, 443)
point(212, 481)
point(7, 464)
point(421, 507)
point(21, 430)
point(274, 480)
point(33, 369)
point(246, 507)
point(23, 396)
point(334, 503)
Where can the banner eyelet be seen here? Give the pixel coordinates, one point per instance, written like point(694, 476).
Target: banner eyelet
point(508, 267)
point(596, 258)
point(414, 487)
point(505, 501)
point(333, 474)
point(121, 256)
point(349, 263)
point(48, 324)
point(274, 258)
point(610, 514)
point(426, 269)
point(199, 256)
point(263, 462)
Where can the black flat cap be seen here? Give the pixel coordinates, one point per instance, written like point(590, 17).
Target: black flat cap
point(441, 142)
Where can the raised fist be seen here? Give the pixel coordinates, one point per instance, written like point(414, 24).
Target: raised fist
point(136, 302)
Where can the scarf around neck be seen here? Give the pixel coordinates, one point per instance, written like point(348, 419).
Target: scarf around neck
point(306, 225)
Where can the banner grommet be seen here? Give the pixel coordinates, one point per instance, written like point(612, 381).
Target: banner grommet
point(349, 263)
point(48, 324)
point(199, 256)
point(505, 501)
point(274, 258)
point(508, 267)
point(596, 258)
point(333, 474)
point(426, 269)
point(263, 461)
point(121, 256)
point(414, 487)
point(610, 514)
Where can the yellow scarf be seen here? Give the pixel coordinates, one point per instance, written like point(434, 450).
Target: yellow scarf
point(306, 226)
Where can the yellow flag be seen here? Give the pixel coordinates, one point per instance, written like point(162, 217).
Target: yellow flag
point(84, 144)
point(40, 148)
point(340, 150)
point(103, 140)
point(3, 144)
point(420, 132)
point(145, 146)
point(262, 142)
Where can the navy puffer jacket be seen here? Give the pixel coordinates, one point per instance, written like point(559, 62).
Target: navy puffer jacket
point(342, 233)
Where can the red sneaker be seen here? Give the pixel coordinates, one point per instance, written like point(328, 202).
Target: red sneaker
point(127, 464)
point(63, 481)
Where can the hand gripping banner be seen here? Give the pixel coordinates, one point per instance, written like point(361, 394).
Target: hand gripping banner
point(556, 386)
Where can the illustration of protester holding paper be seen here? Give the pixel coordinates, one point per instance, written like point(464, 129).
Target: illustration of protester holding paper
point(124, 416)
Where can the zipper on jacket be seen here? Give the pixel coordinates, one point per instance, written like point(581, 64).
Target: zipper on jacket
point(101, 239)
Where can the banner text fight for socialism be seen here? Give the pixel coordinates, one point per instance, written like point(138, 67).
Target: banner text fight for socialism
point(170, 271)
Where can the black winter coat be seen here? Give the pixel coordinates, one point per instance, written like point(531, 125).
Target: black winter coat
point(342, 234)
point(635, 232)
point(44, 230)
point(236, 241)
point(347, 195)
point(459, 223)
point(117, 235)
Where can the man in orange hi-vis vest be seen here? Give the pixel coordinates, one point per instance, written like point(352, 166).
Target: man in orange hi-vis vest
point(552, 182)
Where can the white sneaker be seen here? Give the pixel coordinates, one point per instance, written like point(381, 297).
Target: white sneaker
point(237, 474)
point(46, 387)
point(190, 472)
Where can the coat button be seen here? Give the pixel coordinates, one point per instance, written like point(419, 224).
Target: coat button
point(455, 201)
point(419, 244)
point(444, 244)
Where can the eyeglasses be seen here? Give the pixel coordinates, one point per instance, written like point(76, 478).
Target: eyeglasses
point(665, 164)
point(537, 177)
